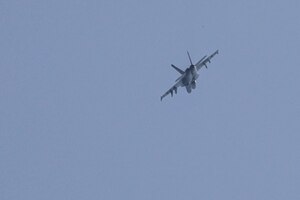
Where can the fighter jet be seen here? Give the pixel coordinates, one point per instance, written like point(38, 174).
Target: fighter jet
point(189, 76)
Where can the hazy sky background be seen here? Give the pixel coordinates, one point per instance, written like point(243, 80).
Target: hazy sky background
point(80, 110)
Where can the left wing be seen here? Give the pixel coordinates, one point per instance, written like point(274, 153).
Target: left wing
point(173, 88)
point(205, 60)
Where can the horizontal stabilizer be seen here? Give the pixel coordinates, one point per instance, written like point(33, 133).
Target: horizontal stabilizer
point(177, 69)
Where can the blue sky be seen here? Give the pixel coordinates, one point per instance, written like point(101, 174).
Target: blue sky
point(81, 117)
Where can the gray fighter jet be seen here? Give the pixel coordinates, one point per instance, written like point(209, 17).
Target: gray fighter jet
point(189, 76)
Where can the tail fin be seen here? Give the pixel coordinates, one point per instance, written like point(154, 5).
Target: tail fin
point(190, 58)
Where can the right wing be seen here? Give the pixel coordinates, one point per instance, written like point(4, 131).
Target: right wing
point(205, 60)
point(173, 88)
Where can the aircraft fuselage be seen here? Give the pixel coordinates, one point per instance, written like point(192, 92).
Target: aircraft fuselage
point(189, 79)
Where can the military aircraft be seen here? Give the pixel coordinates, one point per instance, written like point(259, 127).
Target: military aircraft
point(189, 76)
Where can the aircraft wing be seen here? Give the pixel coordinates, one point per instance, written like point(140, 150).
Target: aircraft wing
point(205, 60)
point(173, 88)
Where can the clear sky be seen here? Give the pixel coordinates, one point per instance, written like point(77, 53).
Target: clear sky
point(80, 109)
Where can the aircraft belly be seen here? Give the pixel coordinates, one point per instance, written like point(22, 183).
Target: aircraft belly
point(187, 79)
point(196, 76)
point(188, 88)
